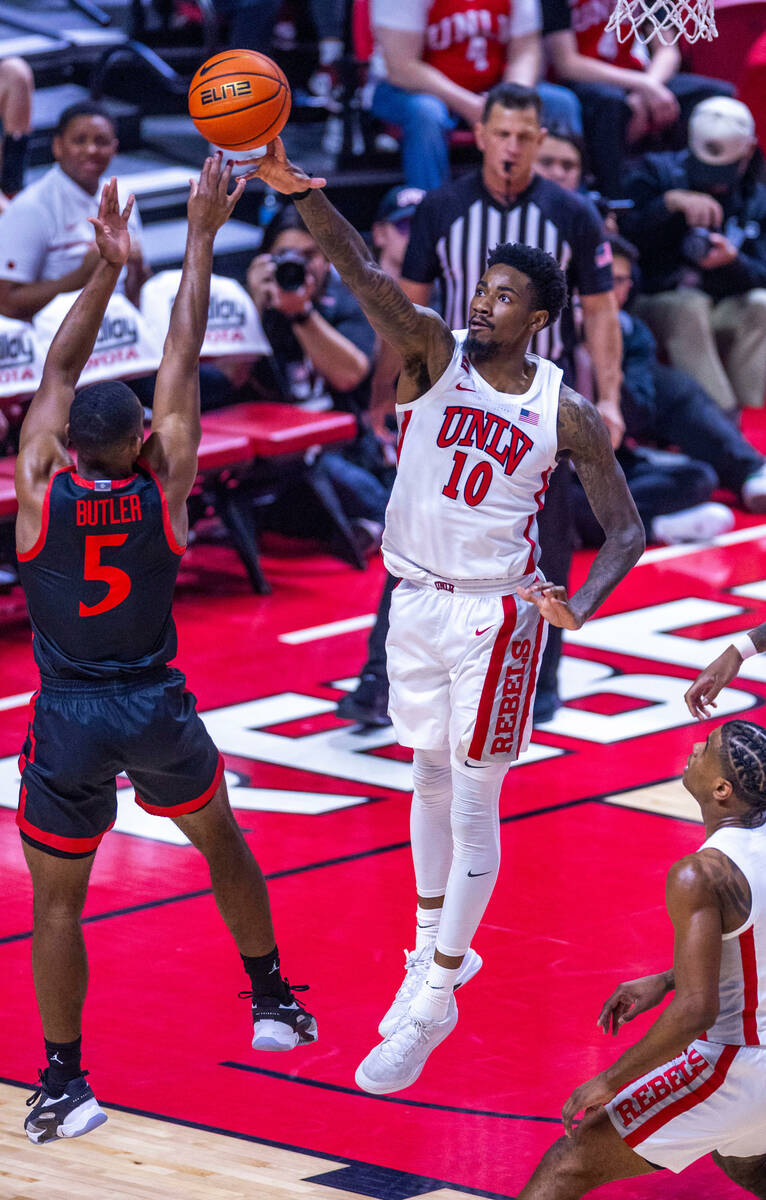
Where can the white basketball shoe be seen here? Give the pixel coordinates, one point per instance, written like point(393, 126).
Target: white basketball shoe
point(401, 1056)
point(416, 964)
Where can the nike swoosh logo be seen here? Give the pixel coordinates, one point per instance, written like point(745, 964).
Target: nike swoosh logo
point(433, 986)
point(462, 388)
point(476, 766)
point(479, 632)
point(477, 874)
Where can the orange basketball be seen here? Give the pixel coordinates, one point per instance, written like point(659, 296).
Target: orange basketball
point(239, 99)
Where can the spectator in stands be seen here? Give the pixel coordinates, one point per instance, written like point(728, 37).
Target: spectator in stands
point(322, 348)
point(17, 87)
point(368, 703)
point(665, 407)
point(699, 223)
point(561, 157)
point(626, 90)
point(46, 241)
point(251, 26)
point(436, 61)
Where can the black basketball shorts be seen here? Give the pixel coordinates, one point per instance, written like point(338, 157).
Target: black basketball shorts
point(83, 734)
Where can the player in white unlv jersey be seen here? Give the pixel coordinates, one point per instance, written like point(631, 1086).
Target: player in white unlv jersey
point(472, 471)
point(695, 1083)
point(481, 426)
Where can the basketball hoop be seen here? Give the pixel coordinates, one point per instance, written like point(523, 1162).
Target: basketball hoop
point(667, 20)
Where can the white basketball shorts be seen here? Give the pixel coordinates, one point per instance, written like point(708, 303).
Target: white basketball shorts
point(711, 1097)
point(462, 670)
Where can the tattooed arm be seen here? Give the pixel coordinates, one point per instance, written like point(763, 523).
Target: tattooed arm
point(421, 337)
point(583, 436)
point(694, 906)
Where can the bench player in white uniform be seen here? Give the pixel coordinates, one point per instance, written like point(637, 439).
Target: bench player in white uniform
point(695, 1083)
point(481, 426)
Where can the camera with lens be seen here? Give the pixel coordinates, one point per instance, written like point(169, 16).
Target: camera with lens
point(696, 245)
point(290, 270)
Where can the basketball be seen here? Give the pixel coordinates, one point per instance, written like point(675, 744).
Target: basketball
point(239, 99)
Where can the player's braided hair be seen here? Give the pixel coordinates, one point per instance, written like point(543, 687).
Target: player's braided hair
point(546, 278)
point(743, 753)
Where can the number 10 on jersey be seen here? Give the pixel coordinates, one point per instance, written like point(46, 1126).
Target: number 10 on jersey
point(476, 484)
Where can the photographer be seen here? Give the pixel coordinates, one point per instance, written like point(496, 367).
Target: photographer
point(699, 223)
point(322, 349)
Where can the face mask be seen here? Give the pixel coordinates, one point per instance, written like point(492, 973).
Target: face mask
point(709, 177)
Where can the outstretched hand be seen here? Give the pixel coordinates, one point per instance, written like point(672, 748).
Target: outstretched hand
point(630, 999)
point(210, 204)
point(552, 603)
point(700, 697)
point(278, 172)
point(111, 226)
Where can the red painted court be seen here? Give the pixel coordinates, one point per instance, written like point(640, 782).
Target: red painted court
point(587, 840)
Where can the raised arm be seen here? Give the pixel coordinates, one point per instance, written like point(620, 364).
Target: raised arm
point(172, 448)
point(43, 431)
point(419, 335)
point(582, 434)
point(693, 897)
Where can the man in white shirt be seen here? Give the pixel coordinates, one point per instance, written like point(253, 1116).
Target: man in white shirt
point(437, 59)
point(46, 239)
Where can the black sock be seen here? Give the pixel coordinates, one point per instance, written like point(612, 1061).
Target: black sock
point(14, 162)
point(263, 970)
point(63, 1064)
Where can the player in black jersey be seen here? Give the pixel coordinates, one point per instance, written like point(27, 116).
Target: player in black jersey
point(99, 546)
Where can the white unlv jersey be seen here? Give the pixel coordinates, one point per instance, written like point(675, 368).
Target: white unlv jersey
point(474, 465)
point(741, 1017)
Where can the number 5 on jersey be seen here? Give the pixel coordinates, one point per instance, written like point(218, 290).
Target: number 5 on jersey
point(117, 581)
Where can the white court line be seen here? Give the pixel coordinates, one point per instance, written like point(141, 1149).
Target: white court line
point(660, 554)
point(330, 630)
point(725, 539)
point(17, 701)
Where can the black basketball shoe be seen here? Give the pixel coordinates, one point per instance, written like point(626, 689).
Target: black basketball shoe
point(71, 1115)
point(280, 1022)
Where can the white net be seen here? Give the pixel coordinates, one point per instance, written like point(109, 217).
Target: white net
point(667, 20)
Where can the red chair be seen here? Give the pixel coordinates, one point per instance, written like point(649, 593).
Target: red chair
point(279, 437)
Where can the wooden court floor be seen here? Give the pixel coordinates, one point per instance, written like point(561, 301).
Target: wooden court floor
point(591, 820)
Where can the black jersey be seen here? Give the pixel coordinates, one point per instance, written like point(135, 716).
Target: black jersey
point(99, 580)
point(456, 226)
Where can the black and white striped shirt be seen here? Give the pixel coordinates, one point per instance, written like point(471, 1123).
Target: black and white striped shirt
point(456, 226)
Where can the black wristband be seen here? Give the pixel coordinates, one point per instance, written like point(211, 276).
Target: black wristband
point(299, 195)
point(302, 317)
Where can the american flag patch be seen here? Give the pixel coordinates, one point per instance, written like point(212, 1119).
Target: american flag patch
point(531, 418)
point(603, 254)
point(102, 485)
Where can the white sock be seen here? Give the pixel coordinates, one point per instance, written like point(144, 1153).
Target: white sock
point(432, 1001)
point(427, 927)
